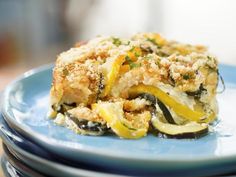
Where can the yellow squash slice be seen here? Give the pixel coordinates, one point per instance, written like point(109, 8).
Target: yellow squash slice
point(111, 71)
point(113, 114)
point(178, 108)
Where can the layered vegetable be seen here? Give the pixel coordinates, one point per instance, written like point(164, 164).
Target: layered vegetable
point(135, 127)
point(130, 87)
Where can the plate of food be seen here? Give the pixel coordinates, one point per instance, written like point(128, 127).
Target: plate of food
point(141, 103)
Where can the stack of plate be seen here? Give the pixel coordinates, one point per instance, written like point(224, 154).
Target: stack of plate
point(35, 146)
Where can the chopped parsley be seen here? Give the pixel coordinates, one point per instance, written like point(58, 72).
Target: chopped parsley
point(153, 41)
point(135, 52)
point(134, 65)
point(147, 57)
point(131, 63)
point(128, 43)
point(65, 71)
point(208, 57)
point(186, 77)
point(116, 41)
point(158, 63)
point(132, 49)
point(128, 59)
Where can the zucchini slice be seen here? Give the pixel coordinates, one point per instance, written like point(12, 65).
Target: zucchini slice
point(197, 94)
point(178, 108)
point(190, 130)
point(156, 102)
point(88, 127)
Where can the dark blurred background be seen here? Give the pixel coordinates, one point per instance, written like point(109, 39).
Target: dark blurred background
point(34, 32)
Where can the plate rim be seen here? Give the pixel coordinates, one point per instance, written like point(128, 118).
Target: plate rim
point(75, 147)
point(69, 169)
point(33, 158)
point(4, 165)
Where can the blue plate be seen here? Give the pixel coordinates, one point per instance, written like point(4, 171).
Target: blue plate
point(8, 170)
point(15, 167)
point(43, 161)
point(25, 105)
point(20, 150)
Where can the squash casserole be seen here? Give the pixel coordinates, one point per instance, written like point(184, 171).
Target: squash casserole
point(134, 86)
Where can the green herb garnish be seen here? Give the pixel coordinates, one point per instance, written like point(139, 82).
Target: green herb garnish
point(186, 77)
point(131, 63)
point(128, 59)
point(128, 43)
point(134, 65)
point(136, 54)
point(132, 49)
point(65, 71)
point(153, 41)
point(148, 57)
point(116, 41)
